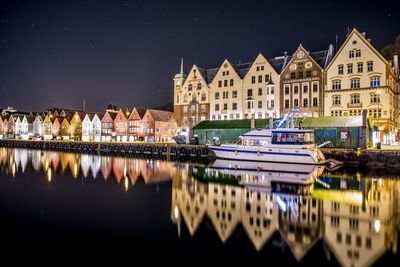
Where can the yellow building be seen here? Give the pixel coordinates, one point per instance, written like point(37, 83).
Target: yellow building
point(360, 78)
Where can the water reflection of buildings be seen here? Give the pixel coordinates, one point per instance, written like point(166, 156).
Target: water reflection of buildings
point(356, 227)
point(127, 170)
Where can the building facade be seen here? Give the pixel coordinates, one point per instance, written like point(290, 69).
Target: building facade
point(301, 85)
point(360, 78)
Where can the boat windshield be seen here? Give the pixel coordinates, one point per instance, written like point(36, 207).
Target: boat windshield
point(298, 138)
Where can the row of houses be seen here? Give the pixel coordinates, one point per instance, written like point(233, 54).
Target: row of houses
point(337, 81)
point(122, 125)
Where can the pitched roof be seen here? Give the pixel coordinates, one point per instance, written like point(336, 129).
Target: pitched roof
point(141, 111)
point(322, 58)
point(208, 74)
point(112, 114)
point(279, 63)
point(242, 68)
point(232, 124)
point(161, 115)
point(30, 119)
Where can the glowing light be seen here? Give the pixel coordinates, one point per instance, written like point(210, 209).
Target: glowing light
point(281, 203)
point(75, 170)
point(13, 169)
point(176, 212)
point(126, 183)
point(49, 174)
point(377, 226)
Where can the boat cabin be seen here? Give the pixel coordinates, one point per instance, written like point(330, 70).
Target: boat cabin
point(292, 137)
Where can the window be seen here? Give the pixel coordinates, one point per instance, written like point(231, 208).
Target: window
point(225, 106)
point(305, 102)
point(259, 104)
point(305, 88)
point(249, 92)
point(272, 90)
point(272, 103)
point(336, 100)
point(308, 73)
point(370, 66)
point(375, 81)
point(203, 97)
point(376, 113)
point(375, 98)
point(336, 85)
point(355, 99)
point(216, 107)
point(234, 94)
point(296, 89)
point(249, 105)
point(258, 68)
point(339, 238)
point(351, 54)
point(219, 83)
point(231, 82)
point(295, 103)
point(315, 87)
point(340, 69)
point(300, 74)
point(259, 91)
point(293, 75)
point(260, 78)
point(216, 95)
point(234, 106)
point(360, 67)
point(253, 79)
point(286, 90)
point(225, 83)
point(286, 103)
point(199, 86)
point(358, 53)
point(266, 78)
point(350, 68)
point(315, 102)
point(336, 113)
point(355, 83)
point(190, 88)
point(225, 95)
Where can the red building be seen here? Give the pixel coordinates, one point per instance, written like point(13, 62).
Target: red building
point(107, 126)
point(159, 126)
point(121, 126)
point(135, 124)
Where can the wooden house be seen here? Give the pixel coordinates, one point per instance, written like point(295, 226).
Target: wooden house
point(158, 126)
point(107, 126)
point(96, 127)
point(87, 127)
point(27, 127)
point(65, 130)
point(1, 127)
point(38, 126)
point(121, 126)
point(135, 124)
point(76, 125)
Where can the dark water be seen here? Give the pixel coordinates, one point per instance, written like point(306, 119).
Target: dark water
point(57, 203)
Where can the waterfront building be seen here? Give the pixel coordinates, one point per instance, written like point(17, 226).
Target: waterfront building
point(260, 92)
point(95, 132)
point(27, 126)
point(158, 125)
point(107, 125)
point(65, 129)
point(1, 127)
point(38, 126)
point(191, 97)
point(135, 123)
point(226, 98)
point(76, 125)
point(301, 85)
point(121, 126)
point(360, 78)
point(18, 125)
point(87, 127)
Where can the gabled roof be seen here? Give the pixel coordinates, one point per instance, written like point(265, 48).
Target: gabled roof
point(242, 68)
point(322, 58)
point(208, 74)
point(160, 115)
point(30, 119)
point(140, 111)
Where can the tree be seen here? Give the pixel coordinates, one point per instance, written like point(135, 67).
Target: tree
point(390, 50)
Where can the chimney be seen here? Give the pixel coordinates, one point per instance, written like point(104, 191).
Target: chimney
point(363, 34)
point(396, 66)
point(285, 53)
point(369, 40)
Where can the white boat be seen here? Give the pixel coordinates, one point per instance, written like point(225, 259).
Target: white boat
point(285, 145)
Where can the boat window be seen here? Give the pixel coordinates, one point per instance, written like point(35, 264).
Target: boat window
point(292, 138)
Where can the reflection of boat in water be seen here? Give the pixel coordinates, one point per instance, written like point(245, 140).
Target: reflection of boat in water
point(264, 176)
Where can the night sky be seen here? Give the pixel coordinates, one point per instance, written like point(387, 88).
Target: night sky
point(57, 53)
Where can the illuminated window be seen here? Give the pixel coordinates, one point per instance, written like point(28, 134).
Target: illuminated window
point(375, 81)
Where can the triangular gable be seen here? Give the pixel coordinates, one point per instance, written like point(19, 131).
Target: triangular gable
point(226, 65)
point(369, 45)
point(194, 73)
point(306, 54)
point(260, 59)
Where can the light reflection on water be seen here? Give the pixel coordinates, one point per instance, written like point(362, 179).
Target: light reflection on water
point(355, 217)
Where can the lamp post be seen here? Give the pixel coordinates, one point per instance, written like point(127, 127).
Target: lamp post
point(378, 103)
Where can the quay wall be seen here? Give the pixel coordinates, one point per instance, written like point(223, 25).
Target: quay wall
point(191, 153)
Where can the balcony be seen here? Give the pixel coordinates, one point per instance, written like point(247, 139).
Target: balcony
point(354, 105)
